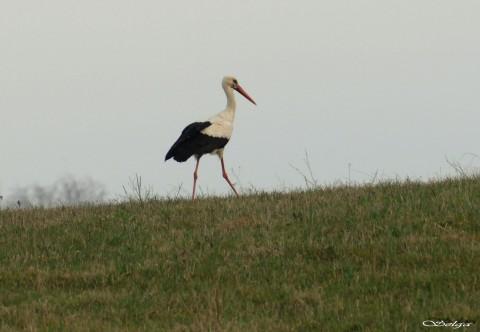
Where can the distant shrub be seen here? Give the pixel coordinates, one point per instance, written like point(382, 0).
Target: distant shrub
point(65, 191)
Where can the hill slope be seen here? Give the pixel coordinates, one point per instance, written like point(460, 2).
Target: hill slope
point(371, 258)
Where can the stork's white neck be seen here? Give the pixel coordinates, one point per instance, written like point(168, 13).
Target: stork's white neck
point(230, 98)
point(229, 111)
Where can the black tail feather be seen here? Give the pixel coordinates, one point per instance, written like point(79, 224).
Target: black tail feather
point(178, 154)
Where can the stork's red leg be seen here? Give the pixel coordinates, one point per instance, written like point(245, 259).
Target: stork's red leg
point(195, 177)
point(225, 176)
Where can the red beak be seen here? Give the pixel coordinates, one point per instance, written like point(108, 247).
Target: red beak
point(245, 94)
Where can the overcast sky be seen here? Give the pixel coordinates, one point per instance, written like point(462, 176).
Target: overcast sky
point(103, 88)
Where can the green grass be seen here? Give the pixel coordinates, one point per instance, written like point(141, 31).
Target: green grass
point(369, 258)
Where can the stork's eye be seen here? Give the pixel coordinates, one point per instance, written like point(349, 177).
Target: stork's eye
point(235, 82)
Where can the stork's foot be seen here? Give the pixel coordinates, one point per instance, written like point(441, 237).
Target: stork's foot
point(225, 176)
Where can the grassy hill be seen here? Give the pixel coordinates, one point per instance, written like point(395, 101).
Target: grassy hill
point(368, 258)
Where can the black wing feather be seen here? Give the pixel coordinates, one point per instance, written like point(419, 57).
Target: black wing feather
point(181, 150)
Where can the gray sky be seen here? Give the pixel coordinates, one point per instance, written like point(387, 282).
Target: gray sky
point(103, 88)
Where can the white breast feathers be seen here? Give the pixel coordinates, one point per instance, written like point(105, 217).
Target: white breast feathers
point(219, 129)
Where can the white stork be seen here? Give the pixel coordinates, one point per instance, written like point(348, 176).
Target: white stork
point(211, 136)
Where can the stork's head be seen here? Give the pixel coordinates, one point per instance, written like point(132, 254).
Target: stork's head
point(230, 82)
